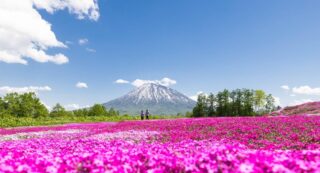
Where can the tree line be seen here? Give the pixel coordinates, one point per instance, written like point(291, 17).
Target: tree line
point(238, 102)
point(29, 105)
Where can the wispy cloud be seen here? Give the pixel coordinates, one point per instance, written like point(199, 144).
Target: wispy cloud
point(164, 81)
point(301, 101)
point(195, 97)
point(72, 106)
point(139, 82)
point(285, 87)
point(36, 89)
point(68, 42)
point(83, 41)
point(75, 106)
point(81, 85)
point(91, 50)
point(306, 90)
point(121, 81)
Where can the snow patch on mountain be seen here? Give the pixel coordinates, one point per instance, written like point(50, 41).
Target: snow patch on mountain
point(155, 93)
point(158, 98)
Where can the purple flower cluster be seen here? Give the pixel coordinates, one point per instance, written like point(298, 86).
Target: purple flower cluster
point(264, 144)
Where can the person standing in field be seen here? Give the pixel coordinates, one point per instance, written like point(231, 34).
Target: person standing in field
point(147, 114)
point(142, 115)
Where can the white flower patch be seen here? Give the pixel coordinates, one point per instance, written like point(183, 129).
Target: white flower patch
point(246, 167)
point(131, 135)
point(41, 134)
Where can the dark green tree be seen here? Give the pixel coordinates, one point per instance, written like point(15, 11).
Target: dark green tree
point(226, 108)
point(219, 109)
point(3, 110)
point(40, 110)
point(239, 103)
point(200, 110)
point(24, 105)
point(81, 112)
point(232, 103)
point(211, 100)
point(31, 106)
point(12, 104)
point(98, 110)
point(188, 114)
point(58, 110)
point(248, 102)
point(113, 112)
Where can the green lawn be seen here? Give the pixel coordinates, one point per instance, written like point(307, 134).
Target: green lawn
point(44, 121)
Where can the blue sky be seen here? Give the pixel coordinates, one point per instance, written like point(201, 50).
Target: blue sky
point(203, 45)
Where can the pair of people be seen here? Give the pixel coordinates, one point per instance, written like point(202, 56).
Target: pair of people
point(142, 114)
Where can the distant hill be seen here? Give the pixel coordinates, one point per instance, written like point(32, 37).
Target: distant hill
point(311, 108)
point(159, 99)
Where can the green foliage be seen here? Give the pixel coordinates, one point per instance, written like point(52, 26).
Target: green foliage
point(81, 112)
point(58, 110)
point(201, 108)
point(224, 103)
point(188, 114)
point(211, 100)
point(248, 102)
point(98, 110)
point(239, 102)
point(259, 100)
point(12, 121)
point(113, 112)
point(22, 105)
point(269, 106)
point(27, 110)
point(2, 108)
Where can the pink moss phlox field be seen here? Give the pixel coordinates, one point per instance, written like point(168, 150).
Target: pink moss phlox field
point(262, 144)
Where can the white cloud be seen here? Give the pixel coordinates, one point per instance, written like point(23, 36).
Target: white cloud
point(165, 82)
point(83, 41)
point(139, 82)
point(82, 9)
point(75, 106)
point(306, 90)
point(36, 89)
point(195, 97)
point(25, 34)
point(81, 85)
point(285, 87)
point(121, 81)
point(72, 106)
point(299, 102)
point(91, 50)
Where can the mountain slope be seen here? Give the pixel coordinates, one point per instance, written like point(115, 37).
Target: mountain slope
point(158, 99)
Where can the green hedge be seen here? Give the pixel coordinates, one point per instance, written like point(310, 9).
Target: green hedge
point(10, 121)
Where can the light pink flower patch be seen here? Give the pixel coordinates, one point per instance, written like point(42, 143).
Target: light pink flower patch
point(40, 134)
point(131, 135)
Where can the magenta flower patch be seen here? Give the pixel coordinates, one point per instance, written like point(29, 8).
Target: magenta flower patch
point(264, 144)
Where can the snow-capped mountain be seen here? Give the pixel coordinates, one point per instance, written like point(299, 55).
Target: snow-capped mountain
point(157, 98)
